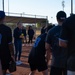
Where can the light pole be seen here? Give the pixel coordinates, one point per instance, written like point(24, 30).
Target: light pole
point(52, 19)
point(3, 5)
point(8, 7)
point(71, 6)
point(63, 5)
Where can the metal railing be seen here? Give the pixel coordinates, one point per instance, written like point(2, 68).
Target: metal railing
point(25, 15)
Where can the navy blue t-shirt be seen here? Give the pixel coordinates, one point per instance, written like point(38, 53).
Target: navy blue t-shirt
point(38, 51)
point(5, 40)
point(68, 34)
point(17, 33)
point(58, 54)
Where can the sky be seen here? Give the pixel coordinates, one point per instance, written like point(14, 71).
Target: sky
point(38, 7)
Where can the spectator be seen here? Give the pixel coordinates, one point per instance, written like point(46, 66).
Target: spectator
point(43, 30)
point(67, 39)
point(24, 32)
point(18, 36)
point(43, 24)
point(59, 57)
point(6, 47)
point(37, 55)
point(30, 34)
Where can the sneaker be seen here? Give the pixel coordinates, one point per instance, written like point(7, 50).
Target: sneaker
point(31, 45)
point(22, 44)
point(8, 74)
point(27, 45)
point(18, 62)
point(30, 73)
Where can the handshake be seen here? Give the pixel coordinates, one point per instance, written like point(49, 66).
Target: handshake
point(22, 36)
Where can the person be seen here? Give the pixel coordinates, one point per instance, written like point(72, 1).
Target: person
point(1, 68)
point(24, 33)
point(36, 58)
point(43, 30)
point(67, 39)
point(6, 46)
point(59, 57)
point(43, 24)
point(18, 36)
point(30, 34)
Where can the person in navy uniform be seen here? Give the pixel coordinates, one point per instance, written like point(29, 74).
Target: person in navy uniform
point(6, 47)
point(67, 40)
point(59, 54)
point(37, 59)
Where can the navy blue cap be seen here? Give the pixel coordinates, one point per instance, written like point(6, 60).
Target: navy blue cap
point(2, 14)
point(61, 15)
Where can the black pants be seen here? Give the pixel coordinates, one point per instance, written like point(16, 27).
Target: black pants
point(30, 39)
point(58, 71)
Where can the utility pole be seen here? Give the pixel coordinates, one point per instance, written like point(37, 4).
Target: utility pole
point(8, 7)
point(71, 6)
point(3, 5)
point(63, 5)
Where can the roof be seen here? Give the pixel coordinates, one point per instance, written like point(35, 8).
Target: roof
point(27, 19)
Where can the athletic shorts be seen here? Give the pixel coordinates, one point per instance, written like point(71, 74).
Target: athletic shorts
point(38, 66)
point(5, 63)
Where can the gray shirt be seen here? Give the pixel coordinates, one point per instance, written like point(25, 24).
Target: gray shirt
point(58, 54)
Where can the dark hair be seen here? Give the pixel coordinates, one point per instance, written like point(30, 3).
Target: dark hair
point(29, 27)
point(61, 16)
point(2, 15)
point(49, 27)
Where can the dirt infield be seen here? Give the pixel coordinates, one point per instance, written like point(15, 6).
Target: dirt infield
point(24, 68)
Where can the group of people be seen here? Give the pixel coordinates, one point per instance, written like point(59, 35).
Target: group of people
point(19, 35)
point(56, 41)
point(7, 52)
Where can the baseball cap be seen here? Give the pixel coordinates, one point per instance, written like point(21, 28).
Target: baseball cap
point(2, 14)
point(61, 15)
